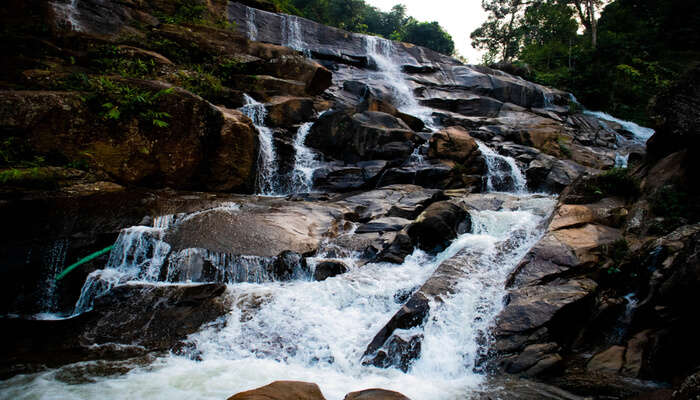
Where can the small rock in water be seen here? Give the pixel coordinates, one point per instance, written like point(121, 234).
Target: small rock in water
point(289, 265)
point(329, 269)
point(438, 225)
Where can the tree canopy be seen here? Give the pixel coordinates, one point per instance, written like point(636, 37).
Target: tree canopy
point(614, 55)
point(358, 16)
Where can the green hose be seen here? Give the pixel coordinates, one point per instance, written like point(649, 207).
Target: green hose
point(83, 261)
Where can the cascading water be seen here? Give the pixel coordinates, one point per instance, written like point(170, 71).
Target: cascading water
point(291, 33)
point(141, 252)
point(317, 331)
point(455, 333)
point(305, 162)
point(639, 133)
point(267, 163)
point(55, 258)
point(69, 12)
point(503, 173)
point(250, 24)
point(389, 73)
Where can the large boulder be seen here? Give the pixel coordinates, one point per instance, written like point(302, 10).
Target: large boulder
point(282, 390)
point(195, 150)
point(438, 225)
point(370, 135)
point(264, 229)
point(128, 320)
point(453, 143)
point(289, 111)
point(344, 178)
point(328, 269)
point(455, 149)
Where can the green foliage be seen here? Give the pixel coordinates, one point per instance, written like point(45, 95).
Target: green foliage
point(642, 46)
point(186, 11)
point(110, 59)
point(28, 177)
point(200, 82)
point(614, 182)
point(115, 100)
point(616, 251)
point(81, 164)
point(15, 152)
point(428, 34)
point(358, 16)
point(676, 206)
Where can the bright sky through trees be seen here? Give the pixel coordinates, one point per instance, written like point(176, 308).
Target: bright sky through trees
point(458, 17)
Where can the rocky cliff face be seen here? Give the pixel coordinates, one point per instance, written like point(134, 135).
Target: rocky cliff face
point(371, 149)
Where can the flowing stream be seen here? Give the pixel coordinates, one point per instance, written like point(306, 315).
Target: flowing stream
point(318, 331)
point(308, 330)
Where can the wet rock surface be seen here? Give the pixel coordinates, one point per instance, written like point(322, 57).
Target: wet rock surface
point(598, 306)
point(129, 320)
point(282, 390)
point(375, 394)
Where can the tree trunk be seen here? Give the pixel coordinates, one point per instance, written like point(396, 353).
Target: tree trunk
point(593, 24)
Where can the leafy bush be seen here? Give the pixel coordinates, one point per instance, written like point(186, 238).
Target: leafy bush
point(110, 59)
point(28, 177)
point(676, 206)
point(614, 182)
point(15, 152)
point(186, 11)
point(117, 100)
point(200, 82)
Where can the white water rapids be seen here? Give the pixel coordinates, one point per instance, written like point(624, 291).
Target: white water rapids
point(318, 331)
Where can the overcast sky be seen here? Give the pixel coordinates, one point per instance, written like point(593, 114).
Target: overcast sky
point(458, 17)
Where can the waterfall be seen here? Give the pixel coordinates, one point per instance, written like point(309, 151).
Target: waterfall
point(503, 173)
point(291, 33)
point(389, 73)
point(55, 259)
point(190, 265)
point(456, 335)
point(639, 133)
point(266, 182)
point(139, 253)
point(250, 23)
point(318, 331)
point(305, 162)
point(68, 12)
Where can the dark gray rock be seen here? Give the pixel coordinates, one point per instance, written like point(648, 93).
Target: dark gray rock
point(397, 352)
point(385, 224)
point(289, 265)
point(329, 269)
point(127, 321)
point(438, 225)
point(370, 135)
